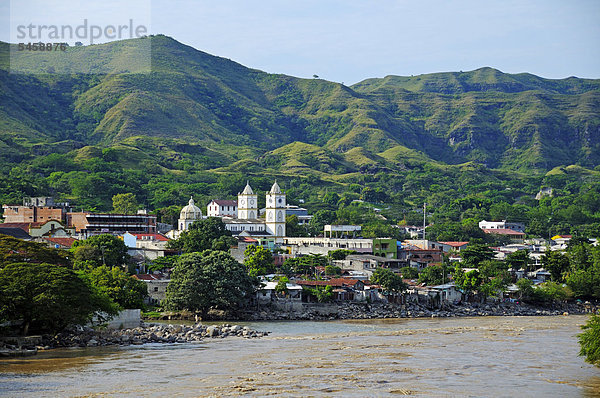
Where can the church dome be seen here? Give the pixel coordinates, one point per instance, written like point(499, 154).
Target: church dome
point(275, 188)
point(190, 212)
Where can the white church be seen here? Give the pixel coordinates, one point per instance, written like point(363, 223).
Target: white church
point(244, 218)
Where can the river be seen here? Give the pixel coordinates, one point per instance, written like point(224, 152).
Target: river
point(484, 356)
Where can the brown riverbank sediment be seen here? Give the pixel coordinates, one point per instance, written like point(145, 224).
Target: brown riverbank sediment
point(147, 333)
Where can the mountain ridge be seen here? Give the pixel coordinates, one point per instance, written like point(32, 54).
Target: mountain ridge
point(204, 113)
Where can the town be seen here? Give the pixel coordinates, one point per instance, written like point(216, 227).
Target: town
point(332, 275)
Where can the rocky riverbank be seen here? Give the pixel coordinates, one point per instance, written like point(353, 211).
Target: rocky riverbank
point(148, 333)
point(416, 310)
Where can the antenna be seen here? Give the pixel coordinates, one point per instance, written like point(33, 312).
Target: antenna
point(424, 215)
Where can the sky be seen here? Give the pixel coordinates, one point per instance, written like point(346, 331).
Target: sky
point(351, 40)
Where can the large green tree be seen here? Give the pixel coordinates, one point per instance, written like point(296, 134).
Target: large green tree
point(120, 287)
point(258, 260)
point(14, 250)
point(388, 280)
point(102, 249)
point(474, 254)
point(211, 279)
point(204, 234)
point(48, 297)
point(125, 203)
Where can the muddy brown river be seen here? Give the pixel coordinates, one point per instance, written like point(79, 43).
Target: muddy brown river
point(463, 357)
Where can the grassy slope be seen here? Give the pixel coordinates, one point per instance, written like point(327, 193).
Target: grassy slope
point(226, 117)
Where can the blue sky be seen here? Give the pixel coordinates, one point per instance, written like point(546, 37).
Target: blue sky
point(348, 41)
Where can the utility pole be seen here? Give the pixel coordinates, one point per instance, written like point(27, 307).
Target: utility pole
point(424, 215)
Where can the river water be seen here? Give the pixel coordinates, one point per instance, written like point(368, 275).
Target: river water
point(484, 356)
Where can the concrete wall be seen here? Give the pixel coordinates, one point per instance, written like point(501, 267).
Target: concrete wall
point(125, 319)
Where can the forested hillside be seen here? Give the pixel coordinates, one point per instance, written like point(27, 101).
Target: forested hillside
point(474, 145)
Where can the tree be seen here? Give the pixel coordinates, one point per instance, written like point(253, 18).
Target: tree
point(475, 254)
point(340, 254)
point(102, 249)
point(13, 250)
point(299, 266)
point(281, 286)
point(125, 203)
point(557, 264)
point(124, 290)
point(211, 279)
point(48, 296)
point(409, 272)
point(332, 270)
point(589, 340)
point(519, 259)
point(258, 261)
point(434, 275)
point(202, 235)
point(468, 282)
point(292, 228)
point(388, 280)
point(525, 288)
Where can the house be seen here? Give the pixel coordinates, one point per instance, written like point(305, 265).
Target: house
point(50, 228)
point(300, 212)
point(15, 232)
point(514, 236)
point(59, 243)
point(561, 239)
point(428, 245)
point(420, 258)
point(412, 230)
point(150, 246)
point(456, 246)
point(323, 245)
point(157, 286)
point(344, 289)
point(386, 247)
point(367, 263)
point(222, 208)
point(514, 226)
point(268, 292)
point(446, 293)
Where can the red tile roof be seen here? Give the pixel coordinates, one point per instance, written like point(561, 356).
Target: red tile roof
point(503, 231)
point(454, 244)
point(149, 277)
point(25, 226)
point(224, 202)
point(66, 242)
point(336, 282)
point(153, 236)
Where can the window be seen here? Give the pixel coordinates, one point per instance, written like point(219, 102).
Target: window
point(156, 288)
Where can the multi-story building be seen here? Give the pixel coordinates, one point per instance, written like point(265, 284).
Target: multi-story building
point(28, 214)
point(222, 208)
point(86, 223)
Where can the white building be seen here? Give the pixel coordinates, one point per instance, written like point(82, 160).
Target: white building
point(514, 226)
point(222, 208)
point(188, 215)
point(341, 230)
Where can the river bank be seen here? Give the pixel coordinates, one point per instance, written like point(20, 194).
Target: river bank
point(416, 310)
point(353, 310)
point(147, 333)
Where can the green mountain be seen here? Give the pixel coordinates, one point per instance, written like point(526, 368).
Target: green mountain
point(197, 121)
